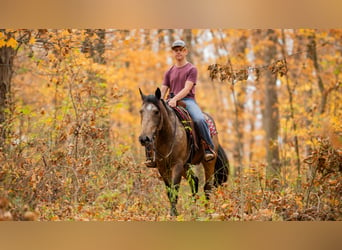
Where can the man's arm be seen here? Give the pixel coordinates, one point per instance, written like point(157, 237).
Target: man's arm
point(164, 90)
point(183, 93)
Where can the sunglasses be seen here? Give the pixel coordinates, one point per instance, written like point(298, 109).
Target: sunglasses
point(178, 49)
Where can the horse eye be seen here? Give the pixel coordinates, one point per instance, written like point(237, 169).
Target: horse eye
point(156, 112)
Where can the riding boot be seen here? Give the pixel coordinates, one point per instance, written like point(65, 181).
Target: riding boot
point(209, 153)
point(150, 159)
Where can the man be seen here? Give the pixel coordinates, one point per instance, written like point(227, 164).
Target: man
point(181, 80)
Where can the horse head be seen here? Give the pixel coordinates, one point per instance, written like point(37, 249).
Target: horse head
point(151, 118)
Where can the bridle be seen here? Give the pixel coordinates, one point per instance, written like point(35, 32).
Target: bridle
point(154, 148)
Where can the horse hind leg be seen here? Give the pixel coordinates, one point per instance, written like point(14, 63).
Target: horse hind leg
point(209, 177)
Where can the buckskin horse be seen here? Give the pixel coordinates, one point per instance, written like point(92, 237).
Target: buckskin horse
point(174, 152)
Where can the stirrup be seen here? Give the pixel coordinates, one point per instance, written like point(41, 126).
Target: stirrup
point(209, 155)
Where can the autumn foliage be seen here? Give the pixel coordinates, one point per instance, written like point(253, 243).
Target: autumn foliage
point(70, 123)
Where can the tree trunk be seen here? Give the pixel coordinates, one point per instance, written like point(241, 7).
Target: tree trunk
point(312, 53)
point(188, 40)
point(238, 51)
point(95, 48)
point(7, 55)
point(291, 91)
point(147, 39)
point(171, 36)
point(161, 41)
point(271, 111)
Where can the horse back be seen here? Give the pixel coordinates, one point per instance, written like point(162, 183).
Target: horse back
point(194, 141)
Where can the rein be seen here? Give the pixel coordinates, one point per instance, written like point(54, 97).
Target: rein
point(172, 145)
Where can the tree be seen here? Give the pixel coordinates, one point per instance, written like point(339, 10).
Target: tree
point(10, 42)
point(291, 90)
point(271, 111)
point(188, 42)
point(94, 44)
point(7, 54)
point(238, 52)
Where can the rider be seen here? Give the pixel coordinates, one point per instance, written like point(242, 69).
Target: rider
point(181, 80)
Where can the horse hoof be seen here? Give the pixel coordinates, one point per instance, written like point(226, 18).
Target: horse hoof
point(173, 212)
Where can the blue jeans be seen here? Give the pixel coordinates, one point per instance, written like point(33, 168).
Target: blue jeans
point(199, 120)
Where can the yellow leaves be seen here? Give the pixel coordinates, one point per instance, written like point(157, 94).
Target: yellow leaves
point(9, 43)
point(127, 42)
point(224, 206)
point(66, 32)
point(51, 57)
point(2, 40)
point(12, 43)
point(32, 41)
point(31, 216)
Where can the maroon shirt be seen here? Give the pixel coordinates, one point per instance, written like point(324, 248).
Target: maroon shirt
point(176, 77)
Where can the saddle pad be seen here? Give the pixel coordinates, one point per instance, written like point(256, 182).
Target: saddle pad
point(184, 116)
point(211, 126)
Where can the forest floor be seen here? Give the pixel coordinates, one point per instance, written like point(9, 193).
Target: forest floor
point(138, 194)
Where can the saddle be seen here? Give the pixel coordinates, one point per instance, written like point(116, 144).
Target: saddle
point(184, 116)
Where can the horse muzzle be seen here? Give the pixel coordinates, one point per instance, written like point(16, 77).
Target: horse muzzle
point(144, 140)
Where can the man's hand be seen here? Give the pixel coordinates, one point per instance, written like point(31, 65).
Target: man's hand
point(172, 103)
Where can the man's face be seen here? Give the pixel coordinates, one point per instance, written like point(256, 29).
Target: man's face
point(179, 52)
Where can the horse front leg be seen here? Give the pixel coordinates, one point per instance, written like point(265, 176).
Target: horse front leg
point(192, 180)
point(172, 193)
point(173, 188)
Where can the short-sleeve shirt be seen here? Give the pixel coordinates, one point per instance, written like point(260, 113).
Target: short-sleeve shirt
point(176, 77)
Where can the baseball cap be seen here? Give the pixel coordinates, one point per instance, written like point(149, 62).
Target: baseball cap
point(178, 43)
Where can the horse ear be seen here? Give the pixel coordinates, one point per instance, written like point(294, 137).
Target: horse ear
point(142, 95)
point(158, 93)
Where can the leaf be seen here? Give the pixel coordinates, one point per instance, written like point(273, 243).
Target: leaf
point(12, 43)
point(2, 43)
point(32, 41)
point(26, 110)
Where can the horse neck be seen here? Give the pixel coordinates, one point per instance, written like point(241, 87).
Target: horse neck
point(166, 132)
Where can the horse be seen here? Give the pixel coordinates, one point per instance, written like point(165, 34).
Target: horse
point(163, 131)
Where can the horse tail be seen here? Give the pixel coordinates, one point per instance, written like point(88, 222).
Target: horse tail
point(221, 167)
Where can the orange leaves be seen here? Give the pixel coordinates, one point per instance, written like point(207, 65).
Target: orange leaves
point(225, 73)
point(75, 151)
point(11, 42)
point(5, 214)
point(279, 67)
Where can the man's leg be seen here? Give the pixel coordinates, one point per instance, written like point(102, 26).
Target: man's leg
point(202, 126)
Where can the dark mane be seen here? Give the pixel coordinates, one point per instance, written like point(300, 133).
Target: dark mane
point(152, 99)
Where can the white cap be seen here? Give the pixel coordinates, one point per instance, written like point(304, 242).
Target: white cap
point(178, 43)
